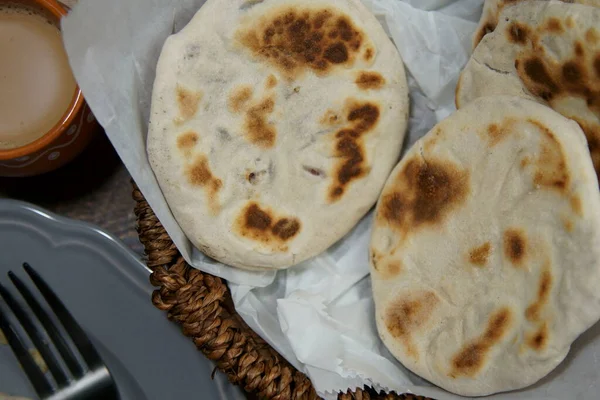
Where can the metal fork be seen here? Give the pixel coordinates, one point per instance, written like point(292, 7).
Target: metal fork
point(89, 379)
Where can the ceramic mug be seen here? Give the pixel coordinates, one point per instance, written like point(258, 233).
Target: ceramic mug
point(67, 138)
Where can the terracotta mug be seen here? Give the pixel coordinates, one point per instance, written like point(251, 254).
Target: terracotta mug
point(67, 138)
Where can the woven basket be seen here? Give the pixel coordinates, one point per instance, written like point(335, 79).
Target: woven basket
point(201, 303)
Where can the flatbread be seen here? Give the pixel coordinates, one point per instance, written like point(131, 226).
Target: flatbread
point(545, 51)
point(274, 125)
point(493, 8)
point(485, 247)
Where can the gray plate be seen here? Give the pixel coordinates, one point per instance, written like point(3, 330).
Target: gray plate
point(106, 288)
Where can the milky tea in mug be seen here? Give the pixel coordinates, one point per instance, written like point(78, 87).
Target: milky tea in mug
point(36, 82)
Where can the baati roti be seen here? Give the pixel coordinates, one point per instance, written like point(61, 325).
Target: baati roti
point(493, 8)
point(547, 51)
point(485, 255)
point(274, 125)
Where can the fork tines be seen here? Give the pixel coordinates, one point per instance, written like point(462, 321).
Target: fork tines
point(99, 383)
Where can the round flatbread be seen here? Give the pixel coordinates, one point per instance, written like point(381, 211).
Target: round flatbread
point(493, 8)
point(545, 51)
point(485, 247)
point(274, 126)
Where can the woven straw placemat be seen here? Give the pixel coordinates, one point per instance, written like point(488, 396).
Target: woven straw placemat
point(201, 304)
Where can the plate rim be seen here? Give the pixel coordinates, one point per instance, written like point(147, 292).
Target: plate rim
point(19, 206)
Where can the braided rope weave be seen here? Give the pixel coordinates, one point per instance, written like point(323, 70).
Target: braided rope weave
point(201, 304)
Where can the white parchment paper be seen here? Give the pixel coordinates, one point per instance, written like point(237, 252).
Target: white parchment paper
point(319, 315)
